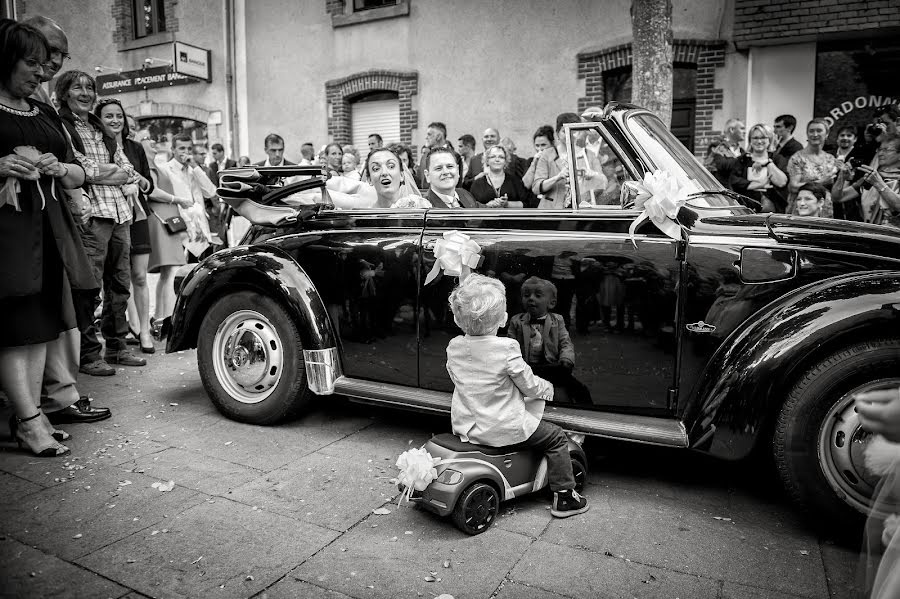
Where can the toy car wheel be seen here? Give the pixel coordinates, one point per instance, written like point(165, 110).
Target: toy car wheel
point(579, 471)
point(818, 443)
point(476, 509)
point(251, 360)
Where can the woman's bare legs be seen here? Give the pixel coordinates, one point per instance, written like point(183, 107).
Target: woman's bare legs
point(165, 295)
point(140, 293)
point(21, 373)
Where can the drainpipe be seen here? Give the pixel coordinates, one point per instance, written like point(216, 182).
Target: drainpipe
point(229, 80)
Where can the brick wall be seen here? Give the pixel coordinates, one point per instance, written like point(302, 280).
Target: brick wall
point(706, 55)
point(334, 7)
point(774, 21)
point(340, 92)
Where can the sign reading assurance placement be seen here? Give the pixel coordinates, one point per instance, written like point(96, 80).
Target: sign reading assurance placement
point(149, 78)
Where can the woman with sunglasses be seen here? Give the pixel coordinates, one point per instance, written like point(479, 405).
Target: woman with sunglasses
point(112, 116)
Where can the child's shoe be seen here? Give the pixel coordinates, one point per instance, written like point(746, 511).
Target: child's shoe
point(568, 503)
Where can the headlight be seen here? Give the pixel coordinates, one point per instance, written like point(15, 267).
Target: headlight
point(450, 477)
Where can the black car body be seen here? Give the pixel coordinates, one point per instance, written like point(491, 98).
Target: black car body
point(749, 332)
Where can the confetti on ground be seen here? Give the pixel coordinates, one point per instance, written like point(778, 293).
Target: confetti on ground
point(382, 511)
point(163, 487)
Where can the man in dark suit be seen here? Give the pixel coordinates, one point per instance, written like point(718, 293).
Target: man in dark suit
point(219, 163)
point(786, 145)
point(441, 169)
point(274, 145)
point(489, 139)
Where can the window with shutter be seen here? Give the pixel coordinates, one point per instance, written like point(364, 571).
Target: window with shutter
point(374, 113)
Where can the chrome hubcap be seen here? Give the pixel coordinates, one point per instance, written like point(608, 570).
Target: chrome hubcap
point(841, 450)
point(247, 356)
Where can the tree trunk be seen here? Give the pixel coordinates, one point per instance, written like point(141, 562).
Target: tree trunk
point(651, 24)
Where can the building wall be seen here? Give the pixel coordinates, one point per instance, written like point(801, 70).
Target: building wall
point(94, 29)
point(782, 81)
point(506, 64)
point(760, 22)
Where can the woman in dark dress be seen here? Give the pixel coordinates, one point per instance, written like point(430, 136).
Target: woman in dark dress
point(43, 258)
point(112, 115)
point(498, 188)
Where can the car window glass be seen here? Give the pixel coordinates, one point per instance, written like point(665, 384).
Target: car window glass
point(599, 172)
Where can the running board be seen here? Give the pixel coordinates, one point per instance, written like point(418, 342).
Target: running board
point(626, 427)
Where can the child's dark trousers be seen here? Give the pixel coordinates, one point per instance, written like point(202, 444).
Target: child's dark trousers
point(551, 439)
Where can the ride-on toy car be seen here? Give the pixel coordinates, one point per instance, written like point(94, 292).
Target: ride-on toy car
point(473, 479)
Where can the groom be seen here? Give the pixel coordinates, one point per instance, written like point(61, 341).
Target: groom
point(442, 175)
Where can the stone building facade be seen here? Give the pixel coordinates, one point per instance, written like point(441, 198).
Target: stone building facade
point(323, 70)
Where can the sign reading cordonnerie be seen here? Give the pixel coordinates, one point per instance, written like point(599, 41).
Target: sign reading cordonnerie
point(149, 78)
point(192, 61)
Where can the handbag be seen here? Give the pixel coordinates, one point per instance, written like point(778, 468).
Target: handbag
point(173, 224)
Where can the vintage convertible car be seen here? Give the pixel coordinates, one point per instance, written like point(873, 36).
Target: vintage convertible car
point(741, 333)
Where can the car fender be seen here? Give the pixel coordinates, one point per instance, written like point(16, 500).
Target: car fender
point(745, 383)
point(266, 269)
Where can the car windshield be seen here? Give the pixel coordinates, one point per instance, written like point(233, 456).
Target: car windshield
point(666, 153)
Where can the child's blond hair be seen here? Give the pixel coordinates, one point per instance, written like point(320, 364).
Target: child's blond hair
point(479, 305)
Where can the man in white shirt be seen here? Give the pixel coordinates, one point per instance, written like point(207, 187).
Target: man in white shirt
point(190, 181)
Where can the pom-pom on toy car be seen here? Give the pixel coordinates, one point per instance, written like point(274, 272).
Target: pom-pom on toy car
point(473, 479)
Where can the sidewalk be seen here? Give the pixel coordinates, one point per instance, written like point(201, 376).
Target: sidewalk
point(287, 511)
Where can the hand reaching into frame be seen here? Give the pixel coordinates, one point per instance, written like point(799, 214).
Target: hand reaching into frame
point(879, 412)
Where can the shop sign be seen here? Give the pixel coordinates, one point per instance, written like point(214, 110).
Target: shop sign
point(149, 78)
point(848, 106)
point(192, 61)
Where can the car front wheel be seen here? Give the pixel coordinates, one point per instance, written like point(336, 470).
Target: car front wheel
point(819, 446)
point(251, 359)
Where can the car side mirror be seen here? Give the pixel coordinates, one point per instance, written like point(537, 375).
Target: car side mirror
point(627, 195)
point(763, 265)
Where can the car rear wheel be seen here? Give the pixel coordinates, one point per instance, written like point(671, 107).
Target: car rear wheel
point(476, 508)
point(818, 443)
point(251, 359)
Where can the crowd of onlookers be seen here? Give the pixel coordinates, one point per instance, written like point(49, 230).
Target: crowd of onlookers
point(854, 179)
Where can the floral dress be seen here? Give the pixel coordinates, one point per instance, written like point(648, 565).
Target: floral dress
point(812, 169)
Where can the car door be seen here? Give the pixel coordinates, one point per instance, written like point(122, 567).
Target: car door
point(364, 265)
point(618, 297)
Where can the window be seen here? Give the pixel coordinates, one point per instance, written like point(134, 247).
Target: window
point(379, 113)
point(359, 5)
point(149, 17)
point(617, 87)
point(354, 12)
point(599, 172)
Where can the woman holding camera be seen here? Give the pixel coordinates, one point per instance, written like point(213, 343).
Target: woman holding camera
point(879, 189)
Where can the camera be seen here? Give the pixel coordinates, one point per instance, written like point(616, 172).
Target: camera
point(876, 129)
point(854, 163)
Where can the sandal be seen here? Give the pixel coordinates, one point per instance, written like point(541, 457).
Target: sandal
point(54, 432)
point(32, 428)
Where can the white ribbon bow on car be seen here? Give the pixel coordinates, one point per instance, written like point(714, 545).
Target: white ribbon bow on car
point(661, 196)
point(456, 254)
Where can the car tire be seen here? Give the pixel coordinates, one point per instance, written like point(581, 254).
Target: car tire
point(251, 359)
point(476, 508)
point(818, 444)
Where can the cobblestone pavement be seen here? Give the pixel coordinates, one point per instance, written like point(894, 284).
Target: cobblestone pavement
point(288, 511)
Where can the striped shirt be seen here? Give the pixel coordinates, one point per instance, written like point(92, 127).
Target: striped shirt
point(107, 201)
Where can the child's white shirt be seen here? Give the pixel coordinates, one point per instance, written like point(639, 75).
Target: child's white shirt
point(497, 399)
